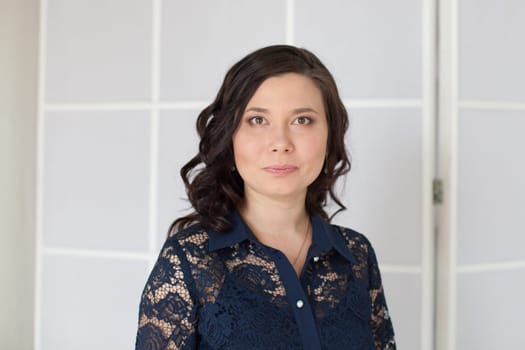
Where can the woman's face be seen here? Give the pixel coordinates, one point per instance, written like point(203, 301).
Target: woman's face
point(280, 143)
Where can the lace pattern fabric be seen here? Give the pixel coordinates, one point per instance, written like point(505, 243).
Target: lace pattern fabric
point(237, 296)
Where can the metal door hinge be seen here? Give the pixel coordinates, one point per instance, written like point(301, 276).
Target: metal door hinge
point(437, 191)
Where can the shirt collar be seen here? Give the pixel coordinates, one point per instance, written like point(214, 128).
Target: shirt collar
point(238, 232)
point(324, 236)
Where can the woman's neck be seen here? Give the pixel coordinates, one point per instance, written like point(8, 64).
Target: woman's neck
point(283, 225)
point(272, 218)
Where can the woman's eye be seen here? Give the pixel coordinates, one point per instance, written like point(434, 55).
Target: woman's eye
point(256, 120)
point(303, 120)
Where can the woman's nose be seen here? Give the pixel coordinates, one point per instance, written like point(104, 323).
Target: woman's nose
point(280, 140)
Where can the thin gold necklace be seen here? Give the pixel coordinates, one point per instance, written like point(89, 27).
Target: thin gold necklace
point(306, 234)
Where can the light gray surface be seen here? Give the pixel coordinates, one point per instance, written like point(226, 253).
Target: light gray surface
point(490, 310)
point(98, 51)
point(90, 303)
point(178, 143)
point(492, 53)
point(202, 39)
point(97, 164)
point(96, 179)
point(372, 47)
point(491, 173)
point(18, 154)
point(491, 189)
point(383, 189)
point(403, 297)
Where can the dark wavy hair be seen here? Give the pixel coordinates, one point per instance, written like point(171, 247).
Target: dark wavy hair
point(214, 189)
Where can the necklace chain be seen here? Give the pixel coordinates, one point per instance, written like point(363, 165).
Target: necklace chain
point(306, 234)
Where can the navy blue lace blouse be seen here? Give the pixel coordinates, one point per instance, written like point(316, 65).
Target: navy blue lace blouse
point(213, 290)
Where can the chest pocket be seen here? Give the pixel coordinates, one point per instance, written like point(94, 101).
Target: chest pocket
point(358, 301)
point(347, 325)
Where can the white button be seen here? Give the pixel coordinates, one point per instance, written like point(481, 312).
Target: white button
point(299, 304)
point(316, 258)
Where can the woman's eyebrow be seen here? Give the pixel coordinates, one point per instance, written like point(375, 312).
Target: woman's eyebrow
point(295, 110)
point(304, 110)
point(257, 109)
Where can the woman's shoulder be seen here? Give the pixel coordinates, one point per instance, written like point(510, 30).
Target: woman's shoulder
point(191, 240)
point(357, 243)
point(352, 237)
point(359, 246)
point(182, 234)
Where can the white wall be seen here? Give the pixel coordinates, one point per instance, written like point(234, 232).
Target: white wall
point(123, 82)
point(481, 144)
point(18, 111)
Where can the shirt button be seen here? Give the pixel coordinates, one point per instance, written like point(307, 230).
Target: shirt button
point(299, 303)
point(316, 258)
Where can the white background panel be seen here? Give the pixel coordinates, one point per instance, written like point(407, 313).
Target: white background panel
point(383, 189)
point(90, 303)
point(96, 180)
point(491, 50)
point(97, 166)
point(491, 189)
point(202, 39)
point(490, 310)
point(98, 51)
point(178, 143)
point(373, 48)
point(403, 296)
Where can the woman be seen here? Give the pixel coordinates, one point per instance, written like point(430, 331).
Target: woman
point(257, 264)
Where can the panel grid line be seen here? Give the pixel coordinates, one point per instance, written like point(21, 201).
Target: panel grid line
point(98, 106)
point(154, 132)
point(490, 267)
point(94, 253)
point(382, 103)
point(39, 175)
point(429, 93)
point(401, 269)
point(498, 105)
point(446, 292)
point(146, 256)
point(199, 104)
point(454, 22)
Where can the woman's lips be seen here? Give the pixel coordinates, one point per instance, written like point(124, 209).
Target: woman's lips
point(281, 169)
